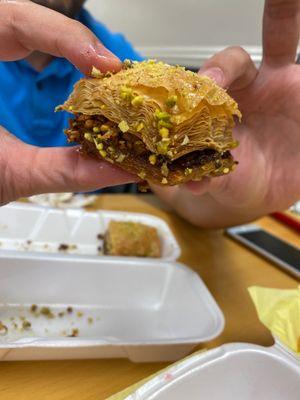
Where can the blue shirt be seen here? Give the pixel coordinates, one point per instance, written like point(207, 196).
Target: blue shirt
point(28, 97)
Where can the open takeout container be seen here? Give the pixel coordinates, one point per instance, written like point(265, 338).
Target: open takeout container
point(95, 306)
point(31, 228)
point(230, 372)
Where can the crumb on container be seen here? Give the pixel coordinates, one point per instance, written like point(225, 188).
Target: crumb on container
point(63, 247)
point(3, 329)
point(69, 310)
point(75, 333)
point(79, 314)
point(34, 308)
point(26, 324)
point(90, 320)
point(47, 312)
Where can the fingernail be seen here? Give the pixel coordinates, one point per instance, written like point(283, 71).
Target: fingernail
point(214, 73)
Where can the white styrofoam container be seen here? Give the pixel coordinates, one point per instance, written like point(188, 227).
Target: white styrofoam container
point(30, 228)
point(230, 372)
point(142, 310)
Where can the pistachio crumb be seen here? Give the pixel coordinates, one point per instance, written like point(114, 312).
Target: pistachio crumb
point(103, 153)
point(3, 329)
point(79, 314)
point(171, 101)
point(120, 158)
point(70, 108)
point(96, 129)
point(164, 181)
point(164, 132)
point(99, 146)
point(153, 159)
point(188, 171)
point(137, 101)
point(88, 136)
point(226, 170)
point(142, 174)
point(26, 324)
point(165, 169)
point(104, 128)
point(96, 73)
point(123, 126)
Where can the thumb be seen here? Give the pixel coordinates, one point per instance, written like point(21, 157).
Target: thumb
point(28, 170)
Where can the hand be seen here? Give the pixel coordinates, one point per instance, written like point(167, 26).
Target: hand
point(268, 175)
point(27, 170)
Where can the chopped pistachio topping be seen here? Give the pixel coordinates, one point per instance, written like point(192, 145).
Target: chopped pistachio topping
point(70, 108)
point(162, 116)
point(126, 93)
point(164, 124)
point(139, 127)
point(111, 149)
point(164, 132)
point(88, 137)
point(162, 147)
point(103, 106)
point(164, 181)
point(171, 101)
point(186, 140)
point(96, 129)
point(164, 169)
point(188, 171)
point(103, 153)
point(104, 128)
point(96, 73)
point(121, 158)
point(137, 101)
point(99, 146)
point(127, 64)
point(226, 170)
point(153, 159)
point(123, 126)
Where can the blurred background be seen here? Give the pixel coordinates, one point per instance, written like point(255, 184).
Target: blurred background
point(184, 31)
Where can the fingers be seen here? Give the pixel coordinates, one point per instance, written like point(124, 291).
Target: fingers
point(27, 170)
point(231, 67)
point(281, 28)
point(25, 26)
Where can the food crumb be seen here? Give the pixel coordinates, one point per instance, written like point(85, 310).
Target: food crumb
point(63, 247)
point(79, 314)
point(47, 312)
point(69, 310)
point(61, 314)
point(100, 236)
point(74, 333)
point(22, 318)
point(29, 242)
point(99, 248)
point(33, 308)
point(3, 329)
point(26, 324)
point(90, 320)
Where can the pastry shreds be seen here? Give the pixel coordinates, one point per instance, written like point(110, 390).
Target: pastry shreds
point(131, 239)
point(164, 123)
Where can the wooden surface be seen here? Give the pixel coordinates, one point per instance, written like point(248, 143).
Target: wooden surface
point(226, 267)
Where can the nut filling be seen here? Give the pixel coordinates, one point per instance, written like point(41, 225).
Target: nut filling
point(104, 139)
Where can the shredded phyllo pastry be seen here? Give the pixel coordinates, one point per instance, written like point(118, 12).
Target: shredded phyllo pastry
point(161, 122)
